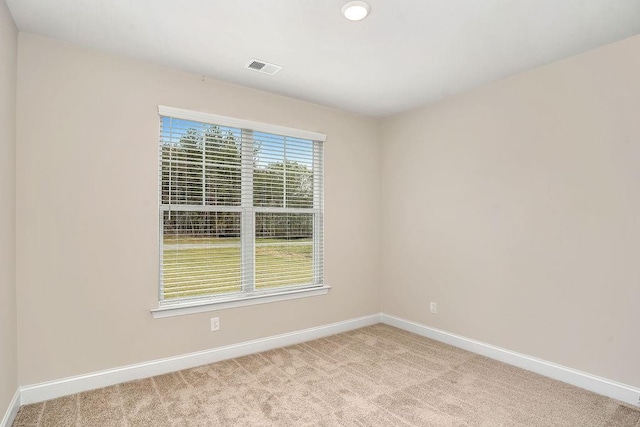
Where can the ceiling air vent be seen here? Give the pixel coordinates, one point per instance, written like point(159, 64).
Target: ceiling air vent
point(263, 67)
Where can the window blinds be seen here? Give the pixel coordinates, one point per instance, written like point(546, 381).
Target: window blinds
point(240, 207)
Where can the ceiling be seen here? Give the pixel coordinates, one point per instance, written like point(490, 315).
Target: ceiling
point(406, 53)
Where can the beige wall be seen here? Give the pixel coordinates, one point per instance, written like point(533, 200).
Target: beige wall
point(87, 222)
point(8, 339)
point(516, 207)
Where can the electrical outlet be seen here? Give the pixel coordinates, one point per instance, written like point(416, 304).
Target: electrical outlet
point(215, 324)
point(433, 307)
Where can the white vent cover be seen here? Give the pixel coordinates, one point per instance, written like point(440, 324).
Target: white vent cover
point(263, 67)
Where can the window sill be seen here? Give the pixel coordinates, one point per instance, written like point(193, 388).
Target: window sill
point(191, 307)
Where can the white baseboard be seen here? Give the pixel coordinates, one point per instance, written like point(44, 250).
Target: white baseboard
point(603, 386)
point(12, 411)
point(51, 390)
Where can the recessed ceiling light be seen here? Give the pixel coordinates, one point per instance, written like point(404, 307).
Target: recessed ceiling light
point(356, 10)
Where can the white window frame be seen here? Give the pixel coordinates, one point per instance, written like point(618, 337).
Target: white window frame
point(249, 296)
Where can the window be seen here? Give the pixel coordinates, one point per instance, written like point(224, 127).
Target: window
point(240, 210)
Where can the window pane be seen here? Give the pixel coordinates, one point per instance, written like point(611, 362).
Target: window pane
point(201, 254)
point(284, 250)
point(283, 171)
point(200, 163)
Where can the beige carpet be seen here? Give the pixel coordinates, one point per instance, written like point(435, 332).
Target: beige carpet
point(375, 376)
